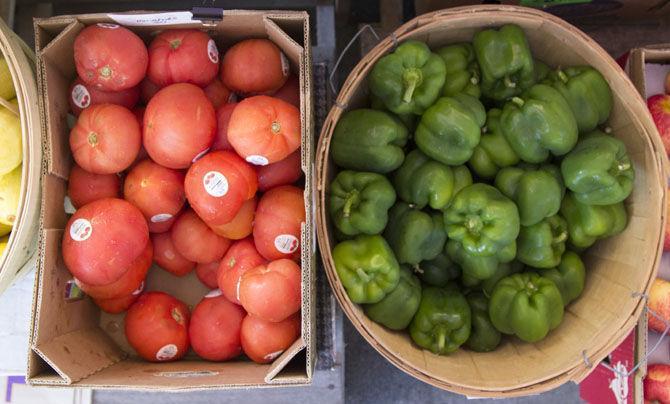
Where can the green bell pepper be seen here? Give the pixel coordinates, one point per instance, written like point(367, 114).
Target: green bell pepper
point(598, 170)
point(359, 202)
point(369, 140)
point(462, 179)
point(542, 244)
point(504, 270)
point(478, 268)
point(588, 223)
point(484, 337)
point(410, 79)
point(505, 61)
point(493, 151)
point(408, 119)
point(422, 181)
point(438, 271)
point(450, 130)
point(587, 93)
point(541, 70)
point(397, 308)
point(442, 323)
point(414, 235)
point(482, 219)
point(462, 70)
point(526, 305)
point(539, 122)
point(537, 191)
point(569, 276)
point(366, 267)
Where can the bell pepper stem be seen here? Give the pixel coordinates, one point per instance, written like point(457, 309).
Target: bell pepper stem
point(561, 237)
point(417, 269)
point(623, 166)
point(441, 339)
point(518, 101)
point(562, 76)
point(508, 82)
point(362, 274)
point(411, 79)
point(352, 199)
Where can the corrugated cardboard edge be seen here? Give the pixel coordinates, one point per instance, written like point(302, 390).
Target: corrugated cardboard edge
point(21, 247)
point(582, 367)
point(38, 358)
point(635, 67)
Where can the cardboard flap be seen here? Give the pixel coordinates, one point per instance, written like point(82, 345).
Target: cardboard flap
point(280, 363)
point(54, 315)
point(79, 354)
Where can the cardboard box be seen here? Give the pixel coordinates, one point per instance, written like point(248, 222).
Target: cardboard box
point(72, 343)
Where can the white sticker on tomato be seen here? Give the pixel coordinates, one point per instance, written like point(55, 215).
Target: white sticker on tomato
point(285, 67)
point(232, 98)
point(286, 243)
point(107, 25)
point(80, 96)
point(212, 51)
point(139, 289)
point(213, 293)
point(257, 160)
point(167, 352)
point(161, 217)
point(169, 254)
point(80, 230)
point(215, 183)
point(272, 355)
point(199, 155)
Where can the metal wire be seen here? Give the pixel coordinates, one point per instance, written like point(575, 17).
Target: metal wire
point(344, 51)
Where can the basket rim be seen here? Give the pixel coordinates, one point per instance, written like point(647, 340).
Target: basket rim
point(580, 369)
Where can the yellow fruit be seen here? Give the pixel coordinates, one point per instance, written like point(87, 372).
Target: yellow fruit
point(6, 84)
point(3, 244)
point(10, 189)
point(11, 153)
point(5, 229)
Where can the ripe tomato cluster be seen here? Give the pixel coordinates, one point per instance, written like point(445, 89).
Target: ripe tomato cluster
point(189, 162)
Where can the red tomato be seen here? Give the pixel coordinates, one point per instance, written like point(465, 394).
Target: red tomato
point(110, 57)
point(102, 239)
point(84, 187)
point(218, 184)
point(132, 278)
point(148, 89)
point(264, 129)
point(241, 257)
point(263, 341)
point(254, 66)
point(290, 92)
point(183, 56)
point(167, 257)
point(279, 216)
point(207, 273)
point(83, 96)
point(283, 172)
point(215, 325)
point(119, 304)
point(195, 241)
point(271, 292)
point(179, 125)
point(105, 139)
point(222, 117)
point(156, 327)
point(218, 94)
point(242, 224)
point(157, 191)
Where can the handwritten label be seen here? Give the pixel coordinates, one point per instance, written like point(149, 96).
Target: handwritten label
point(133, 20)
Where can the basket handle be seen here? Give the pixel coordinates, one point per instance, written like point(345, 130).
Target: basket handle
point(331, 78)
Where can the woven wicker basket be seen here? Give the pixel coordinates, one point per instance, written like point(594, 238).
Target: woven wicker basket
point(618, 268)
point(19, 257)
